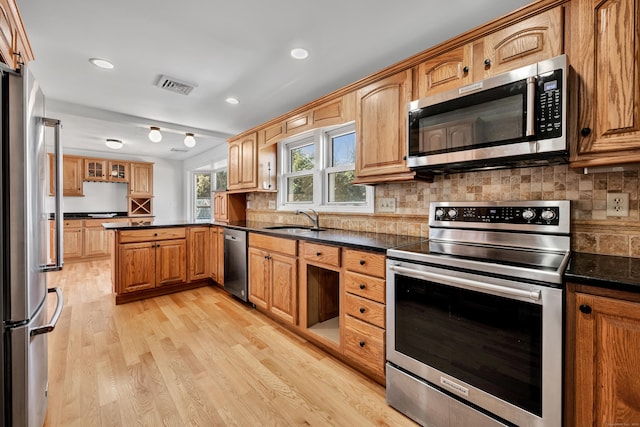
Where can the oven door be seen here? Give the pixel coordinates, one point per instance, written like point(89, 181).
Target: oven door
point(494, 343)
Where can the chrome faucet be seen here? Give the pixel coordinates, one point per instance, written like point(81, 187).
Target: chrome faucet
point(313, 220)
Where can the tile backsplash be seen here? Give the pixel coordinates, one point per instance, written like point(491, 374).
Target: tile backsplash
point(592, 230)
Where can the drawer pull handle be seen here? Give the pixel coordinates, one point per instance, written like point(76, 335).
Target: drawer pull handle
point(318, 253)
point(361, 343)
point(362, 310)
point(362, 286)
point(361, 262)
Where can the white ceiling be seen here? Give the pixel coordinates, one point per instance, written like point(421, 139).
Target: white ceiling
point(227, 48)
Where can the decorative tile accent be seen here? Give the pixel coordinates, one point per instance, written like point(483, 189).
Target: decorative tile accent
point(593, 231)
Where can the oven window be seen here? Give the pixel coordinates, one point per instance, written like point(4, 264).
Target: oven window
point(493, 343)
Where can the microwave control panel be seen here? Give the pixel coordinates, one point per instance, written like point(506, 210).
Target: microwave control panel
point(549, 104)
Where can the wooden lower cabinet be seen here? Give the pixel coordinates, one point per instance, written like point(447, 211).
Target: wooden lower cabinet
point(96, 239)
point(273, 276)
point(72, 239)
point(155, 261)
point(603, 357)
point(216, 254)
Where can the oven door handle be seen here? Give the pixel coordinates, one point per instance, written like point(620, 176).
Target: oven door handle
point(533, 294)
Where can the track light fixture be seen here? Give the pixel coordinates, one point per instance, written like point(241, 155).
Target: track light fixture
point(154, 134)
point(189, 140)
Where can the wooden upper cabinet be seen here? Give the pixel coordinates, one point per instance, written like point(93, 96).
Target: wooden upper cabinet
point(243, 163)
point(523, 43)
point(604, 46)
point(381, 129)
point(72, 176)
point(141, 179)
point(118, 171)
point(95, 169)
point(447, 71)
point(14, 45)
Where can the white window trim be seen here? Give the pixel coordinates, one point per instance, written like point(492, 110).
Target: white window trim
point(192, 192)
point(319, 137)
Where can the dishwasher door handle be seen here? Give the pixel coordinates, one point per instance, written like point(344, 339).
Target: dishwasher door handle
point(231, 237)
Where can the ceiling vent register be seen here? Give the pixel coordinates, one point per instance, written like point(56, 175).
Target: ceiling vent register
point(175, 85)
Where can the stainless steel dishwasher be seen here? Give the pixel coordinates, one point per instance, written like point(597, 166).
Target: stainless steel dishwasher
point(235, 263)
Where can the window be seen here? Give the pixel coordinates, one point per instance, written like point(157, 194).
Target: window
point(202, 195)
point(220, 180)
point(317, 169)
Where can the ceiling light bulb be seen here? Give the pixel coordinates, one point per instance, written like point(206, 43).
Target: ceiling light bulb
point(154, 134)
point(189, 140)
point(231, 100)
point(114, 144)
point(299, 53)
point(101, 63)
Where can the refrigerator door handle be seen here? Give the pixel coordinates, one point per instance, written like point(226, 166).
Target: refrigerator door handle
point(45, 329)
point(59, 259)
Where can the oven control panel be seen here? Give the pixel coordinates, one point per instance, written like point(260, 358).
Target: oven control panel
point(547, 215)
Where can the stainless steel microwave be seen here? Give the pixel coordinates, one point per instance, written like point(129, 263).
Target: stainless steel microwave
point(511, 120)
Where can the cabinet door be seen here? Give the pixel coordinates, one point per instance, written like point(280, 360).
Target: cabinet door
point(95, 169)
point(221, 256)
point(137, 266)
point(381, 126)
point(605, 56)
point(531, 40)
point(96, 241)
point(199, 253)
point(72, 176)
point(447, 71)
point(72, 238)
point(234, 171)
point(141, 180)
point(220, 207)
point(259, 278)
point(284, 288)
point(171, 262)
point(607, 365)
point(243, 163)
point(118, 171)
point(213, 253)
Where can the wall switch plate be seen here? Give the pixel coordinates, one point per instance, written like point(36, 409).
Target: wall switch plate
point(272, 204)
point(387, 204)
point(617, 204)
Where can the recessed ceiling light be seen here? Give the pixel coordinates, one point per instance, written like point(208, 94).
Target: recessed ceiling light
point(101, 63)
point(233, 101)
point(299, 53)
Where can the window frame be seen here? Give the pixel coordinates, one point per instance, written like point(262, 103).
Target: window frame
point(194, 195)
point(321, 138)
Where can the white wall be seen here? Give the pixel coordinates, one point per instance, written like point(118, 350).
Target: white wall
point(204, 161)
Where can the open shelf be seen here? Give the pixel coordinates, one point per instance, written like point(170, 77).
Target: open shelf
point(329, 329)
point(140, 206)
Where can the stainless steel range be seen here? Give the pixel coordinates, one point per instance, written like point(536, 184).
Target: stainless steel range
point(474, 323)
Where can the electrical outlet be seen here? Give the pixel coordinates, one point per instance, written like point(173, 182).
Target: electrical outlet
point(272, 204)
point(617, 204)
point(387, 204)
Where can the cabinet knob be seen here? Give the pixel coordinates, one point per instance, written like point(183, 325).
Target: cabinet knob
point(361, 343)
point(465, 69)
point(318, 253)
point(362, 310)
point(585, 131)
point(361, 262)
point(155, 234)
point(487, 62)
point(362, 286)
point(585, 308)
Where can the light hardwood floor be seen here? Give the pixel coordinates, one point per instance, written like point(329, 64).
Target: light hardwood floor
point(192, 358)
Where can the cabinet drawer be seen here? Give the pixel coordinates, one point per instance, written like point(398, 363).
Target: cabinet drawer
point(273, 244)
point(150, 234)
point(366, 310)
point(369, 263)
point(329, 255)
point(72, 223)
point(364, 344)
point(365, 286)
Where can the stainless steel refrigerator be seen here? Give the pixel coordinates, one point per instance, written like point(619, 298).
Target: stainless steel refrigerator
point(24, 243)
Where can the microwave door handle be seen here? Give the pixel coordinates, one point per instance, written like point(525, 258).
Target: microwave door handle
point(531, 95)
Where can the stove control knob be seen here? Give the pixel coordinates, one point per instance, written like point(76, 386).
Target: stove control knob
point(528, 214)
point(452, 213)
point(548, 215)
point(439, 213)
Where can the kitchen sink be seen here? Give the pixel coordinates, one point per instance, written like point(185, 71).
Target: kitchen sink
point(294, 228)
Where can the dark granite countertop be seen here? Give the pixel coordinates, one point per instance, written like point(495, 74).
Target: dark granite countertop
point(155, 224)
point(93, 215)
point(613, 272)
point(355, 239)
